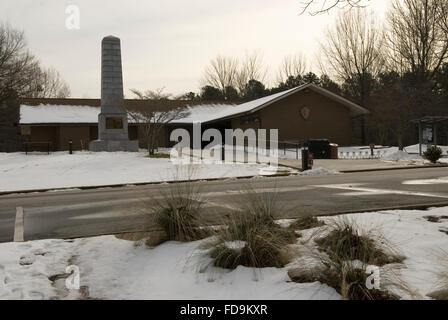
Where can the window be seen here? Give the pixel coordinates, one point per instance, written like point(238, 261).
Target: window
point(25, 130)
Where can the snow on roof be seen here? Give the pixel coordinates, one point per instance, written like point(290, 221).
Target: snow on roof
point(200, 113)
point(207, 113)
point(46, 113)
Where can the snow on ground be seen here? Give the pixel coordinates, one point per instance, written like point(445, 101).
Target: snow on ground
point(119, 269)
point(25, 268)
point(60, 169)
point(419, 240)
point(399, 155)
point(411, 154)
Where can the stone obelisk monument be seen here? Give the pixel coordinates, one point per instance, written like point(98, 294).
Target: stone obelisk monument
point(112, 121)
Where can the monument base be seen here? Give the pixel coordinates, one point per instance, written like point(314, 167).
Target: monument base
point(113, 145)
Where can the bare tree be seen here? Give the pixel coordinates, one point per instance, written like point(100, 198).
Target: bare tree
point(157, 94)
point(352, 49)
point(443, 16)
point(416, 37)
point(18, 68)
point(292, 66)
point(315, 7)
point(154, 114)
point(252, 68)
point(221, 73)
point(49, 84)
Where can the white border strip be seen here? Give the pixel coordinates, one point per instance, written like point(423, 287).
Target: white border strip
point(18, 227)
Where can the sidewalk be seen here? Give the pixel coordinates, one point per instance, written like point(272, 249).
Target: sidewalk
point(348, 165)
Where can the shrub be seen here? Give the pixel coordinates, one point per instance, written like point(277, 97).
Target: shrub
point(252, 238)
point(433, 154)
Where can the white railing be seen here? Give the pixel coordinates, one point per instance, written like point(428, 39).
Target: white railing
point(361, 154)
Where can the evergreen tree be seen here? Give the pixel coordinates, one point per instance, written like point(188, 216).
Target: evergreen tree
point(211, 93)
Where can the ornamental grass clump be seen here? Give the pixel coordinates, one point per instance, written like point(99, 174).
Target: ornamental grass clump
point(346, 241)
point(345, 257)
point(178, 211)
point(251, 237)
point(306, 222)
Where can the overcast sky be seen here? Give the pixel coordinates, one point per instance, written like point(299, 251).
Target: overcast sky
point(164, 43)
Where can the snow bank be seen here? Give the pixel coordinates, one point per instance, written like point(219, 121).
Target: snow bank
point(25, 268)
point(418, 239)
point(399, 155)
point(319, 172)
point(117, 269)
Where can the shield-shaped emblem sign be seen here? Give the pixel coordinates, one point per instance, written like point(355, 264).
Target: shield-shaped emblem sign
point(305, 112)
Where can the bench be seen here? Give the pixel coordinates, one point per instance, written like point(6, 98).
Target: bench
point(31, 146)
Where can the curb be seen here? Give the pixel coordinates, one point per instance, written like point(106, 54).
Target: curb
point(422, 206)
point(119, 185)
point(396, 168)
point(379, 169)
point(405, 207)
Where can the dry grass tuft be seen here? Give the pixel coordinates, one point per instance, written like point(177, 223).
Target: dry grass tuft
point(306, 222)
point(346, 241)
point(342, 257)
point(178, 212)
point(159, 156)
point(349, 280)
point(252, 238)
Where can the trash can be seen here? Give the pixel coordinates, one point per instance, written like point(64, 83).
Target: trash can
point(307, 159)
point(320, 148)
point(334, 151)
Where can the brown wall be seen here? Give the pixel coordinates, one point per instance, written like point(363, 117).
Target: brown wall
point(44, 134)
point(328, 119)
point(60, 135)
point(80, 136)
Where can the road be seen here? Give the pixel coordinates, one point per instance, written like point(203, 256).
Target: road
point(75, 213)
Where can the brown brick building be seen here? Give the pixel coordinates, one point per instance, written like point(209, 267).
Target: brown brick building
point(302, 113)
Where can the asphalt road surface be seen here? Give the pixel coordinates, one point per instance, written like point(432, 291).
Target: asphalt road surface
point(76, 213)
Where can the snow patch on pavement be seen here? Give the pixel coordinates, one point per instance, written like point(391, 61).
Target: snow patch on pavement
point(319, 172)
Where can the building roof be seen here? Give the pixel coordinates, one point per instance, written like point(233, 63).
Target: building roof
point(87, 110)
point(430, 119)
point(214, 113)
